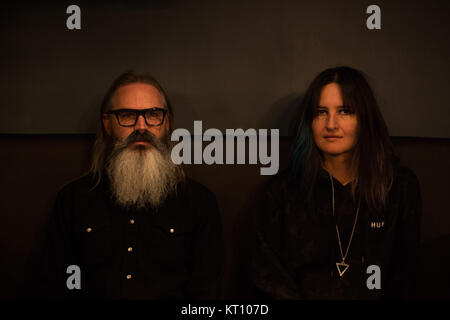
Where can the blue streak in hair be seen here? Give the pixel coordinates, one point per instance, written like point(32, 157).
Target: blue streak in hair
point(301, 151)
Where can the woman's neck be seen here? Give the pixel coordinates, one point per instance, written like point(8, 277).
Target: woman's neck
point(339, 167)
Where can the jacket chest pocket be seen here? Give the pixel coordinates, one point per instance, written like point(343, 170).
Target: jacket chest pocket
point(170, 243)
point(96, 245)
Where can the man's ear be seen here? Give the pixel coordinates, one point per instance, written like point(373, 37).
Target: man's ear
point(107, 123)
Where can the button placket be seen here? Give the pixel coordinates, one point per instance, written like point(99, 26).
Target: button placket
point(130, 238)
point(130, 248)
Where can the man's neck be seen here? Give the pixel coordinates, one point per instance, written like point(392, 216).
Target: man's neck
point(339, 167)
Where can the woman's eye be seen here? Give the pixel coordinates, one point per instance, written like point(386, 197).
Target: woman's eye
point(346, 111)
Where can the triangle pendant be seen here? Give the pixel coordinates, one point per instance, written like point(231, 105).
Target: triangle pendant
point(342, 267)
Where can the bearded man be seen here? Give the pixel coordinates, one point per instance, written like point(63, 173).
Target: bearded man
point(134, 226)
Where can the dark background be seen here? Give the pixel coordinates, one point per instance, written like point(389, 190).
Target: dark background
point(230, 64)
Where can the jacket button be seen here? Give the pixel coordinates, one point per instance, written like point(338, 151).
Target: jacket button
point(172, 230)
point(128, 276)
point(131, 221)
point(89, 229)
point(130, 249)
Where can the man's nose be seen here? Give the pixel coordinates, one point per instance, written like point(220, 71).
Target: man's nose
point(140, 123)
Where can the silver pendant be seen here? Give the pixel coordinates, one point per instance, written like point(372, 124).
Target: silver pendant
point(342, 267)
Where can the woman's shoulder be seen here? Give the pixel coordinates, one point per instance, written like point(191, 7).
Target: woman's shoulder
point(403, 175)
point(405, 184)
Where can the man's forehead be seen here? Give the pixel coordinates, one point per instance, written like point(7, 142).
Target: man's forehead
point(137, 96)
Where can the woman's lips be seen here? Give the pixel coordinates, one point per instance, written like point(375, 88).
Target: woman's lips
point(332, 138)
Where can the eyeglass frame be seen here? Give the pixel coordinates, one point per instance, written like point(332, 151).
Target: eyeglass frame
point(138, 113)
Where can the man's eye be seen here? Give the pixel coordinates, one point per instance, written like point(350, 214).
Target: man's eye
point(152, 114)
point(127, 115)
point(321, 112)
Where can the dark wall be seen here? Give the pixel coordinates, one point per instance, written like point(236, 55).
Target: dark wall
point(34, 167)
point(229, 63)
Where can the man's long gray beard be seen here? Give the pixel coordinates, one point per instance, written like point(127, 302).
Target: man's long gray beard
point(142, 176)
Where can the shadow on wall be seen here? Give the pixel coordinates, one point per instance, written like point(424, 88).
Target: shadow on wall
point(189, 113)
point(287, 110)
point(89, 119)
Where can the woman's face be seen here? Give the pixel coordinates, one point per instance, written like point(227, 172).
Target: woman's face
point(334, 126)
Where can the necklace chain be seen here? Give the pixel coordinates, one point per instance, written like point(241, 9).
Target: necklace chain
point(337, 229)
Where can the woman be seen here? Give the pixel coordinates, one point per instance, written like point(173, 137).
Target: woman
point(343, 221)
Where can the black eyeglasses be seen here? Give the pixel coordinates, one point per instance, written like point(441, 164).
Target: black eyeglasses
point(128, 117)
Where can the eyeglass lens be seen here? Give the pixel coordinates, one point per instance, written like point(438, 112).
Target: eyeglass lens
point(153, 117)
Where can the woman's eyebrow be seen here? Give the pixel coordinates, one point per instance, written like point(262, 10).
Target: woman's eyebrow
point(324, 107)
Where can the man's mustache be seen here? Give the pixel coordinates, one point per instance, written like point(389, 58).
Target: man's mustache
point(119, 146)
point(145, 136)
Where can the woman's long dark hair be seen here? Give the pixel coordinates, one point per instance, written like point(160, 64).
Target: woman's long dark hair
point(372, 160)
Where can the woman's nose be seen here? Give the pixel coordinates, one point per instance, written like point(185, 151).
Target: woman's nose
point(331, 122)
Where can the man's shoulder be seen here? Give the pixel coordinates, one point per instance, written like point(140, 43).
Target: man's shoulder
point(195, 188)
point(79, 185)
